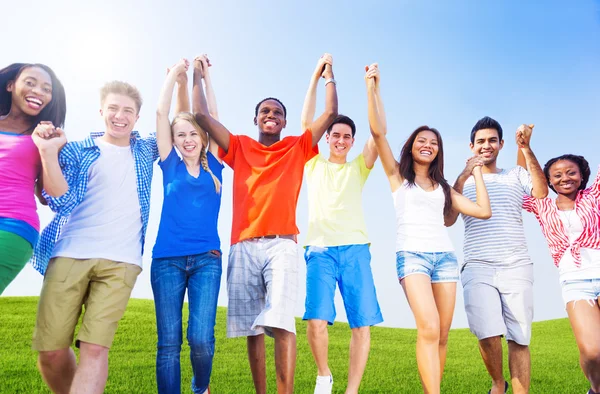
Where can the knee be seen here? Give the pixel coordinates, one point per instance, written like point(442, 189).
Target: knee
point(202, 348)
point(316, 328)
point(429, 332)
point(92, 351)
point(444, 339)
point(362, 333)
point(52, 358)
point(590, 352)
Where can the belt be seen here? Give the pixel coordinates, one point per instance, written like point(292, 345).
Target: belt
point(273, 236)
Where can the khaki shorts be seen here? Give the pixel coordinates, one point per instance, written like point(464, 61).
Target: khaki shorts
point(102, 286)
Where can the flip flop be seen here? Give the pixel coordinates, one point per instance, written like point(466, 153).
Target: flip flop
point(505, 388)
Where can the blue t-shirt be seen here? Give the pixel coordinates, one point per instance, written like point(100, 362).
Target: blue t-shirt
point(188, 223)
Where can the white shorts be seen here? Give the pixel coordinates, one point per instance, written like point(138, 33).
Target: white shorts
point(262, 285)
point(499, 301)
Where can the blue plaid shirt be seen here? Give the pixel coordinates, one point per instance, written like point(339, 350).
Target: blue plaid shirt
point(75, 160)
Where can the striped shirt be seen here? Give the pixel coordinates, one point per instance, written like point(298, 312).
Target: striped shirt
point(75, 160)
point(498, 242)
point(587, 208)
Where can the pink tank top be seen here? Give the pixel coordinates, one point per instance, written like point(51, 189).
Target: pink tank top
point(20, 166)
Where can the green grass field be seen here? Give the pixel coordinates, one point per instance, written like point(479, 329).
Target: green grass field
point(391, 369)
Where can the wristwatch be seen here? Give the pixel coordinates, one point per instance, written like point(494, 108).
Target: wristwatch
point(330, 80)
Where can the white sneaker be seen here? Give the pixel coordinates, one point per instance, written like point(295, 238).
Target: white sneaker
point(324, 385)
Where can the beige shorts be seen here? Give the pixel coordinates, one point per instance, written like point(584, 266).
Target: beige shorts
point(102, 286)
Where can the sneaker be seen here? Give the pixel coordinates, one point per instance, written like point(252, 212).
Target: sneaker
point(324, 385)
point(505, 388)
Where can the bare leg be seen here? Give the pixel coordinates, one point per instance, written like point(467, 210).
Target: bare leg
point(256, 357)
point(445, 300)
point(360, 345)
point(285, 360)
point(92, 371)
point(58, 368)
point(491, 352)
point(585, 321)
point(419, 293)
point(318, 339)
point(519, 363)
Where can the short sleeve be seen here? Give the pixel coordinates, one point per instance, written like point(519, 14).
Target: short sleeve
point(170, 161)
point(595, 188)
point(215, 166)
point(362, 166)
point(530, 204)
point(229, 156)
point(524, 180)
point(310, 165)
point(310, 151)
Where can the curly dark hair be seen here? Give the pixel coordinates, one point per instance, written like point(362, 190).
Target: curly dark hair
point(582, 163)
point(55, 111)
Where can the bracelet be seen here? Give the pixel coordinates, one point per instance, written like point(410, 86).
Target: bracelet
point(330, 80)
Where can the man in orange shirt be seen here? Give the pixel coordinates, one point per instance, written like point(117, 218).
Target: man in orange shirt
point(262, 276)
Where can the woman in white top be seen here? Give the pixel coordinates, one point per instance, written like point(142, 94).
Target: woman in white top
point(421, 197)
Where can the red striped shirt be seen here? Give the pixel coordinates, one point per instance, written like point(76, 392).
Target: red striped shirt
point(587, 207)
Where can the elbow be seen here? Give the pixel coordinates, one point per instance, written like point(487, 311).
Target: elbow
point(201, 118)
point(332, 112)
point(485, 214)
point(161, 113)
point(539, 194)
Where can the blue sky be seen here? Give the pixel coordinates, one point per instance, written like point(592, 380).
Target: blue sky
point(444, 64)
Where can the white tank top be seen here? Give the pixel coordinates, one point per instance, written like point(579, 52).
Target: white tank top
point(420, 220)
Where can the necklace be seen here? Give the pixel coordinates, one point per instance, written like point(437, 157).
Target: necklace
point(568, 218)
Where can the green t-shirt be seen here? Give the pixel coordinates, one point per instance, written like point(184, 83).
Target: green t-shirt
point(335, 212)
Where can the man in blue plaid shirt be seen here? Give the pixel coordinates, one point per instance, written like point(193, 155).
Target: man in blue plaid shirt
point(91, 252)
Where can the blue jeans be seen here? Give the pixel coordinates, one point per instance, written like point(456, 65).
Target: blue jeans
point(170, 276)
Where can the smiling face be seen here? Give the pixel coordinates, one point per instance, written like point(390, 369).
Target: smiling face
point(487, 145)
point(120, 114)
point(340, 140)
point(31, 92)
point(187, 139)
point(270, 118)
point(565, 177)
point(425, 147)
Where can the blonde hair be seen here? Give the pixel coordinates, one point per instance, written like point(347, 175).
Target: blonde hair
point(188, 117)
point(118, 87)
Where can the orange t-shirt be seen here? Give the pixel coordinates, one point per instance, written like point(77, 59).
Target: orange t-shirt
point(266, 184)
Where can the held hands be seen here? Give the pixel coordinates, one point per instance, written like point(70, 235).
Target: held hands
point(324, 60)
point(473, 163)
point(372, 75)
point(179, 69)
point(201, 65)
point(523, 135)
point(47, 138)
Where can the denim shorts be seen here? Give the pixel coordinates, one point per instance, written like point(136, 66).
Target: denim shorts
point(580, 289)
point(439, 266)
point(350, 267)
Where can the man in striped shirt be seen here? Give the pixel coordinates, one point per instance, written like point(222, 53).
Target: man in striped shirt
point(497, 274)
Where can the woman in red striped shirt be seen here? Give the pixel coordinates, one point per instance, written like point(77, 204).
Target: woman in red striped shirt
point(571, 225)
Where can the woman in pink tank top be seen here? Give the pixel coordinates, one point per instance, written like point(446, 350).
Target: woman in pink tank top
point(29, 94)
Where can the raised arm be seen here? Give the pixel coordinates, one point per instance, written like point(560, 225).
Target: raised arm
point(319, 126)
point(216, 131)
point(538, 179)
point(164, 139)
point(310, 101)
point(49, 141)
point(370, 150)
point(481, 208)
point(211, 100)
point(452, 215)
point(182, 100)
point(378, 133)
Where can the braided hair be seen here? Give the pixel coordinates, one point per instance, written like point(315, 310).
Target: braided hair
point(188, 117)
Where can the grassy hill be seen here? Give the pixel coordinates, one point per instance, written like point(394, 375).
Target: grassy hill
point(391, 369)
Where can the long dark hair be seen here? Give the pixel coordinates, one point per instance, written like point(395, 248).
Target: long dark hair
point(436, 168)
point(55, 111)
point(582, 163)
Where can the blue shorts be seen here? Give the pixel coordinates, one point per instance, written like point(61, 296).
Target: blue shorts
point(439, 266)
point(581, 289)
point(350, 266)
